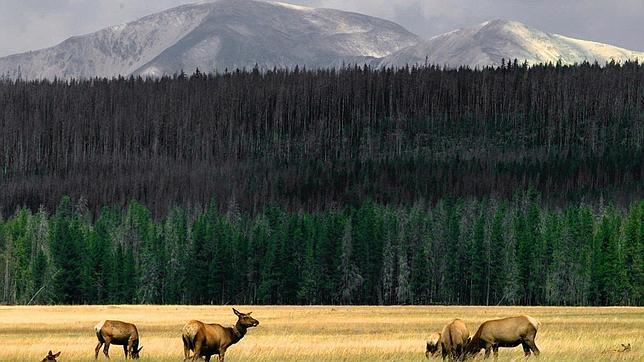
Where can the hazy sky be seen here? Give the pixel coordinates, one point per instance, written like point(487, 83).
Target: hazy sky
point(33, 24)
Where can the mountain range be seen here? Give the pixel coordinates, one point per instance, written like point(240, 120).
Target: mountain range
point(230, 34)
point(492, 41)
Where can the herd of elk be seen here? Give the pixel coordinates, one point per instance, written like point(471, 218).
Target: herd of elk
point(205, 340)
point(455, 344)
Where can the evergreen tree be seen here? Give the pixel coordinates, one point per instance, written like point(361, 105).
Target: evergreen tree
point(350, 278)
point(633, 246)
point(65, 238)
point(478, 260)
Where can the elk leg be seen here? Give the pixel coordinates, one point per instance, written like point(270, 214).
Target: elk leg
point(459, 353)
point(526, 348)
point(106, 349)
point(97, 349)
point(495, 349)
point(186, 348)
point(488, 349)
point(130, 347)
point(197, 354)
point(533, 346)
point(222, 352)
point(125, 350)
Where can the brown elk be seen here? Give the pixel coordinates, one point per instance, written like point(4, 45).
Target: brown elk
point(51, 357)
point(118, 333)
point(451, 340)
point(208, 339)
point(433, 345)
point(506, 332)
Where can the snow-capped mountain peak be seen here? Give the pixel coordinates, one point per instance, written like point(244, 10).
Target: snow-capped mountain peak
point(490, 42)
point(229, 34)
point(213, 35)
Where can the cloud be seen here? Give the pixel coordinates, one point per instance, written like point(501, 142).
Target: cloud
point(34, 24)
point(617, 22)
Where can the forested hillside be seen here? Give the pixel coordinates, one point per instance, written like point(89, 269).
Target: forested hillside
point(319, 140)
point(457, 251)
point(511, 185)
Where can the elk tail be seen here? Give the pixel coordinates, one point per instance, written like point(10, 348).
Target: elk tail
point(97, 329)
point(186, 342)
point(448, 336)
point(535, 323)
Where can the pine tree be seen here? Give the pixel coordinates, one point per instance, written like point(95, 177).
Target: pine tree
point(403, 287)
point(307, 292)
point(556, 256)
point(478, 259)
point(175, 235)
point(350, 278)
point(387, 273)
point(496, 257)
point(633, 246)
point(65, 237)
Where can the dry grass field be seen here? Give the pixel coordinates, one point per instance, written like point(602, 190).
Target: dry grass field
point(325, 333)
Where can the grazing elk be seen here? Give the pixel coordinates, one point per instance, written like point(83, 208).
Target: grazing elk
point(51, 357)
point(118, 333)
point(433, 345)
point(208, 339)
point(506, 332)
point(451, 340)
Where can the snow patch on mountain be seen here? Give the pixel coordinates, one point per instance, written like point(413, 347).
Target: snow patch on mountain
point(293, 6)
point(490, 42)
point(215, 35)
point(229, 34)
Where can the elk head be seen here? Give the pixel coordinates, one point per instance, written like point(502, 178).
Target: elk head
point(245, 319)
point(433, 342)
point(51, 357)
point(135, 353)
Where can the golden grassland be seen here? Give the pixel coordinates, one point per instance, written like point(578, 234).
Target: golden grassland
point(317, 333)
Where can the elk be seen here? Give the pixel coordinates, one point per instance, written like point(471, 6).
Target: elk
point(208, 339)
point(433, 345)
point(51, 357)
point(451, 340)
point(118, 333)
point(505, 332)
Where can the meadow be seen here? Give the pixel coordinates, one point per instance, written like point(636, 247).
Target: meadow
point(316, 333)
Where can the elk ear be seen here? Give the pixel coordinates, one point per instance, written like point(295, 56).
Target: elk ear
point(57, 354)
point(249, 313)
point(237, 313)
point(52, 353)
point(139, 350)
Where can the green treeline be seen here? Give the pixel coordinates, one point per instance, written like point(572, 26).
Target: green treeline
point(455, 251)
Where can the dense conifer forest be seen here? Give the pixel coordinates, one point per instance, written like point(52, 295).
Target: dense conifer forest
point(508, 185)
point(456, 251)
point(318, 140)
